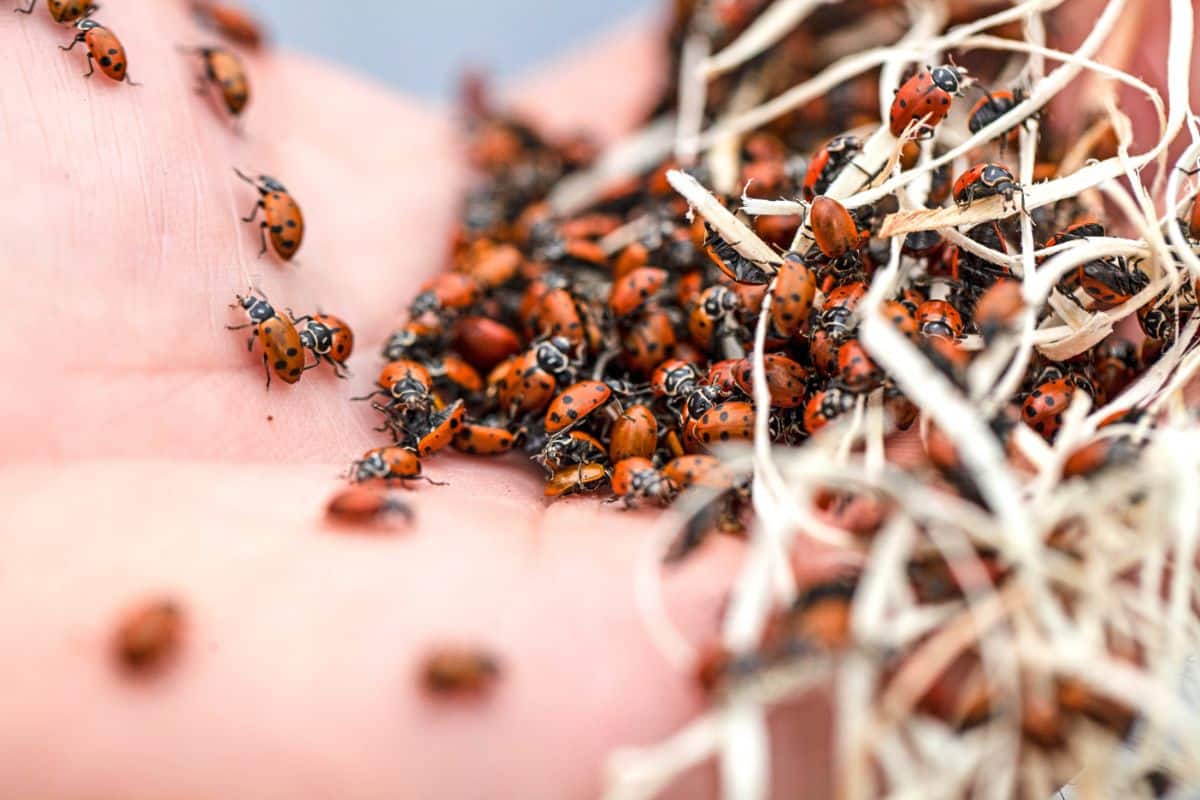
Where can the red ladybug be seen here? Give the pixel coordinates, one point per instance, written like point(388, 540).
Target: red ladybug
point(482, 440)
point(229, 21)
point(149, 636)
point(674, 378)
point(714, 315)
point(634, 434)
point(649, 340)
point(838, 311)
point(64, 10)
point(522, 386)
point(440, 429)
point(735, 265)
point(825, 406)
point(978, 272)
point(484, 342)
point(448, 292)
point(999, 308)
point(631, 292)
point(833, 229)
point(328, 338)
point(698, 470)
point(724, 375)
point(388, 464)
point(282, 350)
point(985, 180)
point(1044, 407)
point(282, 216)
point(828, 162)
point(462, 672)
point(927, 95)
point(1194, 220)
point(575, 403)
point(577, 478)
point(1117, 363)
point(104, 48)
point(856, 371)
point(939, 318)
point(901, 316)
point(786, 379)
point(822, 349)
point(558, 315)
point(792, 296)
point(453, 377)
point(636, 479)
point(365, 507)
point(406, 383)
point(224, 70)
point(1110, 282)
point(1091, 458)
point(724, 422)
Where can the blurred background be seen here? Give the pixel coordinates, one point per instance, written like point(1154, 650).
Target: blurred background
point(421, 47)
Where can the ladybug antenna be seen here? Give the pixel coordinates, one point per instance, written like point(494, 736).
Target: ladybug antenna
point(245, 177)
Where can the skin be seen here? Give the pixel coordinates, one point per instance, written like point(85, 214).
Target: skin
point(142, 456)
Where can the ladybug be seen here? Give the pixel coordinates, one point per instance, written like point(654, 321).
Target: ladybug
point(824, 406)
point(838, 310)
point(229, 21)
point(521, 386)
point(939, 318)
point(365, 506)
point(991, 107)
point(834, 230)
point(407, 385)
point(723, 375)
point(224, 70)
point(822, 350)
point(792, 296)
point(786, 379)
point(714, 315)
point(733, 264)
point(483, 440)
point(674, 378)
point(998, 309)
point(1193, 226)
point(282, 349)
point(484, 342)
point(441, 429)
point(856, 371)
point(823, 613)
point(1116, 362)
point(575, 403)
point(698, 470)
point(556, 357)
point(1091, 458)
point(1110, 282)
point(978, 272)
point(733, 419)
point(491, 265)
point(649, 340)
point(418, 339)
point(578, 478)
point(460, 672)
point(454, 377)
point(634, 434)
point(925, 96)
point(104, 48)
point(636, 479)
point(64, 10)
point(282, 216)
point(828, 162)
point(558, 315)
point(388, 464)
point(1076, 231)
point(570, 448)
point(985, 180)
point(633, 290)
point(328, 338)
point(450, 291)
point(1044, 407)
point(901, 316)
point(923, 244)
point(149, 636)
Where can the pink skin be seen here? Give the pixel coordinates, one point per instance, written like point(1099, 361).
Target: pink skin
point(140, 458)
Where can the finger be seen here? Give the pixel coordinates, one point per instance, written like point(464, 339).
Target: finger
point(299, 672)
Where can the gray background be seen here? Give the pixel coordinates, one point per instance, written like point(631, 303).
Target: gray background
point(420, 46)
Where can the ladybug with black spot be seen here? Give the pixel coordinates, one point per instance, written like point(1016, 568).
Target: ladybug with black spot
point(282, 216)
point(1044, 407)
point(229, 21)
point(104, 48)
point(731, 420)
point(856, 371)
point(1110, 281)
point(388, 464)
point(633, 434)
point(366, 507)
point(482, 439)
point(986, 180)
point(572, 479)
point(63, 11)
point(282, 350)
point(328, 338)
point(575, 403)
point(792, 296)
point(224, 70)
point(999, 308)
point(634, 289)
point(786, 379)
point(635, 479)
point(925, 96)
point(991, 107)
point(735, 265)
point(824, 406)
point(837, 314)
point(828, 162)
point(567, 448)
point(714, 316)
point(939, 318)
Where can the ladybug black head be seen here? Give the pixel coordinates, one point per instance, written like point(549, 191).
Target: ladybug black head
point(86, 24)
point(270, 184)
point(948, 79)
point(995, 175)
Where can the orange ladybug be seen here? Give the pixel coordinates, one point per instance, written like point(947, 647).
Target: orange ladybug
point(999, 308)
point(224, 70)
point(577, 478)
point(570, 448)
point(792, 296)
point(282, 350)
point(365, 506)
point(64, 10)
point(327, 337)
point(925, 96)
point(631, 292)
point(459, 672)
point(229, 21)
point(856, 371)
point(731, 420)
point(104, 48)
point(939, 318)
point(283, 217)
point(441, 429)
point(388, 464)
point(482, 440)
point(636, 479)
point(575, 403)
point(634, 434)
point(833, 228)
point(785, 379)
point(149, 636)
point(1043, 408)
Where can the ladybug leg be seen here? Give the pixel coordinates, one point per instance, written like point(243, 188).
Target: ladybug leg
point(432, 482)
point(267, 369)
point(29, 10)
point(240, 327)
point(253, 213)
point(91, 66)
point(262, 235)
point(130, 80)
point(74, 41)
